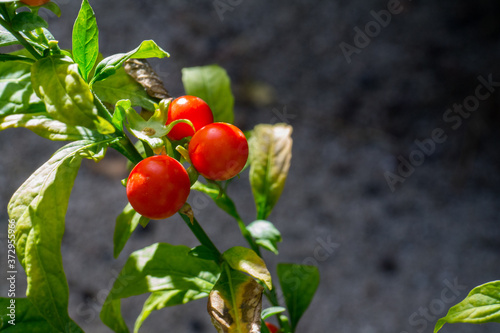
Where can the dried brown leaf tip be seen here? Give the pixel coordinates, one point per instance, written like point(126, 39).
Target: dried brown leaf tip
point(141, 71)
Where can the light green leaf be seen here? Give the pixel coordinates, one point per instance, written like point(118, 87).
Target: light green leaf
point(53, 7)
point(66, 95)
point(220, 199)
point(6, 38)
point(269, 312)
point(270, 154)
point(299, 284)
point(265, 234)
point(108, 66)
point(235, 303)
point(158, 267)
point(162, 299)
point(121, 86)
point(152, 131)
point(482, 305)
point(42, 124)
point(27, 21)
point(126, 223)
point(15, 84)
point(85, 39)
point(39, 209)
point(212, 84)
point(246, 260)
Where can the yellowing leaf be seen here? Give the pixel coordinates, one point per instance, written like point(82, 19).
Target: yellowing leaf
point(270, 154)
point(247, 261)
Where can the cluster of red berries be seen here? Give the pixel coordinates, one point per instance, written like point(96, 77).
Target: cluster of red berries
point(158, 186)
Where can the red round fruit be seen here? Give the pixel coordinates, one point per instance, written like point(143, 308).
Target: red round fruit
point(191, 108)
point(158, 187)
point(271, 327)
point(218, 151)
point(34, 3)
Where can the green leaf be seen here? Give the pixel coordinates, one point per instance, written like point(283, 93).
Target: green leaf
point(53, 7)
point(482, 305)
point(111, 316)
point(25, 319)
point(220, 199)
point(126, 223)
point(265, 234)
point(39, 209)
point(122, 86)
point(269, 312)
point(246, 260)
point(204, 253)
point(212, 84)
point(11, 57)
point(27, 21)
point(42, 124)
point(162, 299)
point(299, 284)
point(108, 66)
point(152, 131)
point(270, 154)
point(15, 84)
point(158, 267)
point(85, 39)
point(235, 303)
point(66, 95)
point(6, 38)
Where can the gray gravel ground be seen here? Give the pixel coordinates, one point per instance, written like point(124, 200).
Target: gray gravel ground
point(396, 252)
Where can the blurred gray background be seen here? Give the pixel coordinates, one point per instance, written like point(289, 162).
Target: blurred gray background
point(398, 257)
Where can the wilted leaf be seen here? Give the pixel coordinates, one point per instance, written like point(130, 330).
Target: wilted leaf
point(235, 303)
point(142, 72)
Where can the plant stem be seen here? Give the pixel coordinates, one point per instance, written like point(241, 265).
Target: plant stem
point(20, 38)
point(200, 233)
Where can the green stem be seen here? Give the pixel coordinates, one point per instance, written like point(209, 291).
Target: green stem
point(127, 149)
point(20, 38)
point(200, 234)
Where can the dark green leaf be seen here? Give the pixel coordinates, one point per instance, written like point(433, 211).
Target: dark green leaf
point(265, 234)
point(247, 261)
point(126, 223)
point(204, 252)
point(122, 86)
point(66, 95)
point(15, 84)
point(27, 21)
point(270, 154)
point(158, 267)
point(482, 305)
point(235, 303)
point(212, 84)
point(269, 312)
point(39, 209)
point(85, 39)
point(162, 299)
point(11, 57)
point(299, 284)
point(107, 67)
point(26, 317)
point(42, 124)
